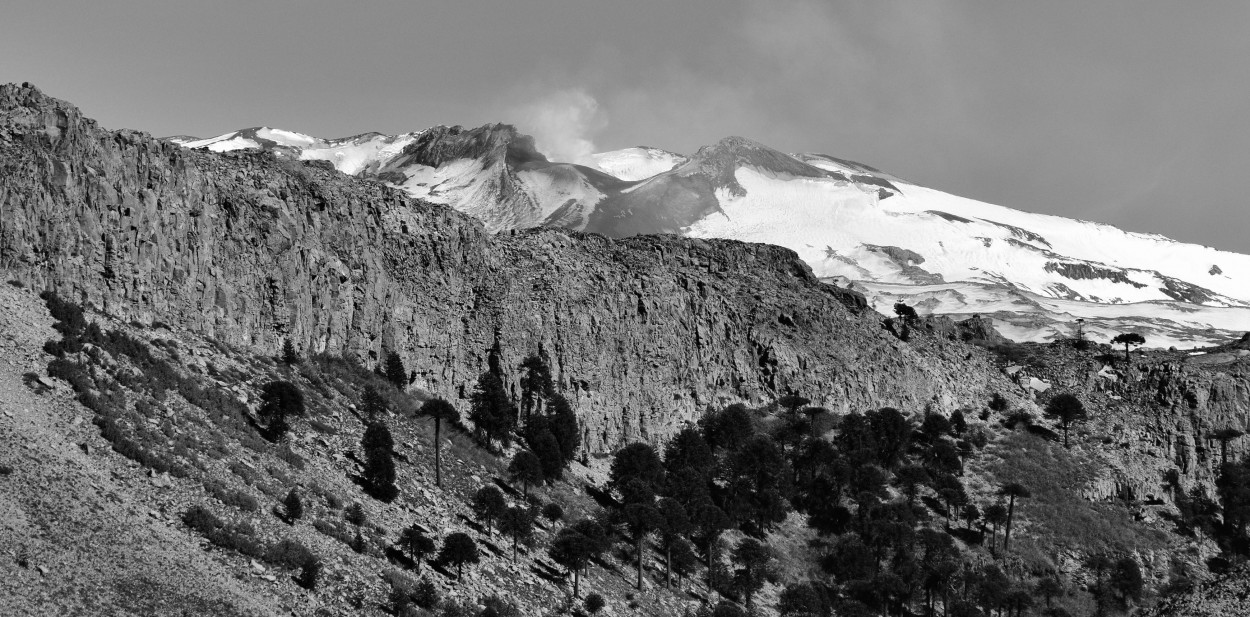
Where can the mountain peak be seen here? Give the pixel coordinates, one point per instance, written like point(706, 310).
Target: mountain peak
point(721, 161)
point(441, 144)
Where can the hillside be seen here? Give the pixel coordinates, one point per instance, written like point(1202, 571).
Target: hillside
point(875, 457)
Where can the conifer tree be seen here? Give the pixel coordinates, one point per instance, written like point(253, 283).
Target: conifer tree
point(526, 469)
point(1012, 492)
point(1068, 410)
point(279, 400)
point(379, 472)
point(459, 550)
point(489, 505)
point(414, 542)
point(290, 356)
point(493, 414)
point(293, 506)
point(755, 567)
point(573, 550)
point(516, 523)
point(395, 372)
point(441, 411)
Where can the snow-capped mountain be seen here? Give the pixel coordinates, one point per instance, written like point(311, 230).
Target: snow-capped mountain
point(853, 224)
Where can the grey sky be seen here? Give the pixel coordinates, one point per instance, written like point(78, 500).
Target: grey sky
point(1131, 113)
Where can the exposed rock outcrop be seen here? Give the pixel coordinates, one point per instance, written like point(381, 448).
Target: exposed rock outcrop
point(645, 333)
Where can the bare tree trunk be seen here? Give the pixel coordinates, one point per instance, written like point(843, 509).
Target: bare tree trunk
point(640, 563)
point(438, 453)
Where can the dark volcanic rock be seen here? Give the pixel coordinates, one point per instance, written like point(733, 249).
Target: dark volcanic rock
point(643, 333)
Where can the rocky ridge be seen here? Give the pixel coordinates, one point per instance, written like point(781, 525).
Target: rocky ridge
point(644, 333)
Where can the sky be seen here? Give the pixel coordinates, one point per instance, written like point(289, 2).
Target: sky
point(1131, 113)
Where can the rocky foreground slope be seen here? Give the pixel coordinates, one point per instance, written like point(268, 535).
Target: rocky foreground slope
point(644, 333)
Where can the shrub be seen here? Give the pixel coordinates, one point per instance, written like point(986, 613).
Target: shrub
point(289, 554)
point(334, 530)
point(238, 536)
point(249, 475)
point(593, 603)
point(495, 606)
point(238, 499)
point(279, 474)
point(426, 594)
point(334, 502)
point(293, 506)
point(553, 512)
point(403, 590)
point(310, 574)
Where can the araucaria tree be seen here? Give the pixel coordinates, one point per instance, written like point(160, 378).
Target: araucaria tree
point(1012, 491)
point(755, 567)
point(1224, 436)
point(995, 515)
point(674, 527)
point(379, 472)
point(489, 505)
point(1126, 339)
point(414, 542)
point(441, 411)
point(458, 550)
point(1068, 410)
point(573, 550)
point(279, 400)
point(525, 469)
point(517, 523)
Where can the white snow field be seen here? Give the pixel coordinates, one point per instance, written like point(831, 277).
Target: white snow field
point(639, 163)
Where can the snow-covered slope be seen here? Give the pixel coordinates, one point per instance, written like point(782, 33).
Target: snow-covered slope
point(640, 163)
point(855, 225)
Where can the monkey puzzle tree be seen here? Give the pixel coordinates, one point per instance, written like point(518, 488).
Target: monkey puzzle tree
point(1126, 339)
point(1068, 410)
point(525, 469)
point(517, 523)
point(441, 411)
point(414, 542)
point(995, 515)
point(489, 505)
point(459, 549)
point(1012, 491)
point(1224, 436)
point(675, 524)
point(637, 461)
point(755, 567)
point(573, 550)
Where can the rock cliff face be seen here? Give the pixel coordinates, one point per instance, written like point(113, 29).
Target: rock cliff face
point(1157, 414)
point(643, 333)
